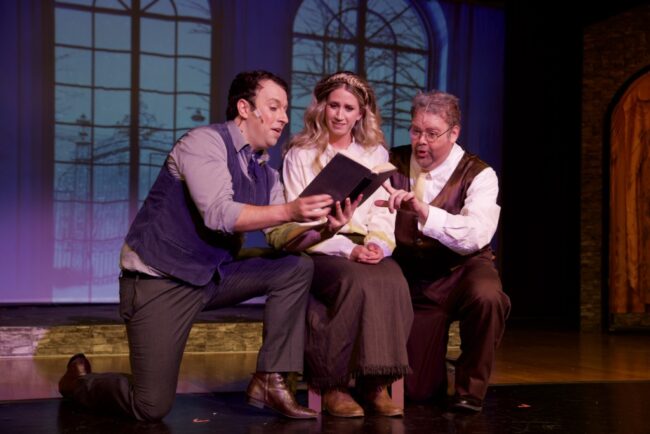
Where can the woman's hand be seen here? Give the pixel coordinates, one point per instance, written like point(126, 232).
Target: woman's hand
point(368, 254)
point(341, 216)
point(322, 231)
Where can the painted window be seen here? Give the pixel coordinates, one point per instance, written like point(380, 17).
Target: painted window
point(382, 40)
point(130, 77)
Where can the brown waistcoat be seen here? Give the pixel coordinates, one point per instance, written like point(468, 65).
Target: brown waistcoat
point(419, 256)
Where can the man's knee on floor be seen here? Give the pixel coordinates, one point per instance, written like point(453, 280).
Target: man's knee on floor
point(154, 410)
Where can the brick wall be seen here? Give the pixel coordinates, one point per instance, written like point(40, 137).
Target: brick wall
point(615, 50)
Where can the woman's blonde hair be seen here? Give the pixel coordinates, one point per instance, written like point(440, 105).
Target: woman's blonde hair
point(366, 132)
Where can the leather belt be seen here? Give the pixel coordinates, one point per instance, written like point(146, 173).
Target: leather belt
point(137, 275)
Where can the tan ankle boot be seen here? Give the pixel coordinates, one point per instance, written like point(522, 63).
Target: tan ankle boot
point(381, 403)
point(338, 402)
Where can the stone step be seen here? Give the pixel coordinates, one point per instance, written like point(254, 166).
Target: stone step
point(56, 330)
point(52, 330)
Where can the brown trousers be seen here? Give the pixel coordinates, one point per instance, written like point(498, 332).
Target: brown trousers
point(473, 295)
point(358, 321)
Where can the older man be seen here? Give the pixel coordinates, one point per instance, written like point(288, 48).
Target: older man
point(446, 201)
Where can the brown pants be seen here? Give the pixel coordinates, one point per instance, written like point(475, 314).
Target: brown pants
point(358, 321)
point(473, 295)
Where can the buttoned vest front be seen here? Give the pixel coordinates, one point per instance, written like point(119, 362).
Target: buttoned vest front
point(417, 254)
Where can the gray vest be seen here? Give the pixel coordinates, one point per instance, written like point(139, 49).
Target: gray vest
point(168, 232)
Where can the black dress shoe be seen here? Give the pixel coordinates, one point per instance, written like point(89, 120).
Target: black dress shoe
point(268, 389)
point(77, 367)
point(467, 404)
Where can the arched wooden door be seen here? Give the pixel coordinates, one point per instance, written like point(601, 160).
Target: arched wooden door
point(629, 208)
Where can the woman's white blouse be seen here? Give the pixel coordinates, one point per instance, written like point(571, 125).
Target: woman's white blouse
point(375, 223)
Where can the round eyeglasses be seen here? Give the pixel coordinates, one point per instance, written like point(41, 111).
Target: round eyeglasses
point(429, 136)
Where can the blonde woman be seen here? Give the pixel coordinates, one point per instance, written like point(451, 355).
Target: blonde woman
point(360, 313)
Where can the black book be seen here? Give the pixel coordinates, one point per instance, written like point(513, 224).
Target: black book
point(344, 177)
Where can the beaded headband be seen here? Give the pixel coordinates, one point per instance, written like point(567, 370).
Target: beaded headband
point(344, 77)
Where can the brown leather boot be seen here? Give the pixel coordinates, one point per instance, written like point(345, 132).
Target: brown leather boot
point(382, 404)
point(77, 367)
point(268, 389)
point(338, 402)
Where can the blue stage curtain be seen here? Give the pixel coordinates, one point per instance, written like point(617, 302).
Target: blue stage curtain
point(26, 158)
point(248, 34)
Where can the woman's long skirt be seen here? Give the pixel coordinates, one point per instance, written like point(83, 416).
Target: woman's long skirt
point(358, 322)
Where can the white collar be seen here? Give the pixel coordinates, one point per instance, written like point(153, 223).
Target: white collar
point(445, 169)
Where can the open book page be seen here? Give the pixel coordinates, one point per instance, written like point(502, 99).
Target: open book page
point(380, 168)
point(384, 167)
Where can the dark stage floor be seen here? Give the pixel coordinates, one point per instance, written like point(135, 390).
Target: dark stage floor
point(590, 408)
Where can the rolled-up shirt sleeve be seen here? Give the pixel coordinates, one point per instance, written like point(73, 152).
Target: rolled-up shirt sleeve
point(475, 225)
point(200, 159)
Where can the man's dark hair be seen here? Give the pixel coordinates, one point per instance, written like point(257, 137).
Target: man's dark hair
point(245, 86)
